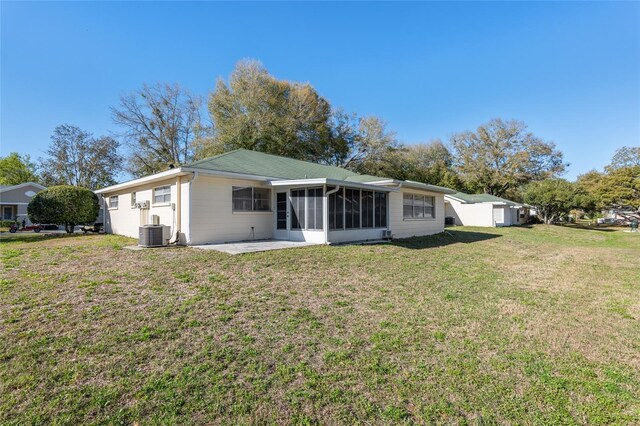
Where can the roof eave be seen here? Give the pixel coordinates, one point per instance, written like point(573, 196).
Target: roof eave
point(426, 187)
point(227, 174)
point(329, 181)
point(21, 185)
point(143, 180)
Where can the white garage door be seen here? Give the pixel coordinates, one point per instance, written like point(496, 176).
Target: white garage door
point(498, 216)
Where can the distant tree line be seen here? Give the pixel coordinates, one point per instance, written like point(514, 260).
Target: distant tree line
point(617, 186)
point(165, 125)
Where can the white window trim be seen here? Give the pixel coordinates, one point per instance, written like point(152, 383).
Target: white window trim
point(163, 203)
point(419, 219)
point(117, 197)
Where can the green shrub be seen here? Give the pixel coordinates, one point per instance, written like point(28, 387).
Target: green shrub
point(64, 204)
point(6, 223)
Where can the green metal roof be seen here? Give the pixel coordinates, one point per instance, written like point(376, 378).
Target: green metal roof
point(247, 162)
point(482, 198)
point(256, 163)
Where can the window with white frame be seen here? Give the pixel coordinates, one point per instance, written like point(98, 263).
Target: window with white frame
point(113, 202)
point(249, 199)
point(162, 195)
point(133, 199)
point(416, 206)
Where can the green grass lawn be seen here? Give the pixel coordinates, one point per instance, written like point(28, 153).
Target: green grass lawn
point(535, 325)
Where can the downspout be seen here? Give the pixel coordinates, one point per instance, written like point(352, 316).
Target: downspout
point(104, 215)
point(326, 213)
point(178, 209)
point(191, 181)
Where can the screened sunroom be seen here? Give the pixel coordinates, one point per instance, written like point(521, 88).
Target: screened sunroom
point(325, 211)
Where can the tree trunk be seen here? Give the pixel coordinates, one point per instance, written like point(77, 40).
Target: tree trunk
point(69, 227)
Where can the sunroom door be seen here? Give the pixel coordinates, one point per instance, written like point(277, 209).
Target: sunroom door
point(282, 215)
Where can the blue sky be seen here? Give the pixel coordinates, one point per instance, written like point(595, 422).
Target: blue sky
point(569, 70)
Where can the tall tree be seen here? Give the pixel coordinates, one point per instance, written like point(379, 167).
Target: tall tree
point(627, 156)
point(432, 163)
point(160, 124)
point(76, 158)
point(16, 169)
point(620, 187)
point(372, 145)
point(259, 112)
point(553, 199)
point(502, 154)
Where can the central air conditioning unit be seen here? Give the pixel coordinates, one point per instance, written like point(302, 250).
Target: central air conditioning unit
point(153, 236)
point(142, 205)
point(387, 233)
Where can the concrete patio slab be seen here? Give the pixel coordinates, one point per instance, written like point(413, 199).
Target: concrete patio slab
point(253, 246)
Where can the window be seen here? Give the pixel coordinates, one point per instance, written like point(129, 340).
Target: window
point(113, 202)
point(297, 208)
point(418, 206)
point(261, 199)
point(133, 199)
point(314, 208)
point(162, 195)
point(248, 199)
point(352, 208)
point(367, 209)
point(336, 204)
point(381, 209)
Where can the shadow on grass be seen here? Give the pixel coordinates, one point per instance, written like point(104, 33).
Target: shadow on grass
point(584, 227)
point(445, 238)
point(33, 237)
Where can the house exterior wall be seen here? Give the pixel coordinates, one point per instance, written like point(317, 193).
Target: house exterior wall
point(405, 228)
point(125, 219)
point(501, 216)
point(346, 235)
point(19, 199)
point(207, 214)
point(480, 214)
point(19, 195)
point(213, 219)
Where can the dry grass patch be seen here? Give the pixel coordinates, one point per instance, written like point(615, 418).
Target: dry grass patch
point(509, 326)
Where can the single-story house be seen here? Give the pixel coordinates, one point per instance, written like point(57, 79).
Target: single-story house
point(485, 210)
point(14, 200)
point(247, 195)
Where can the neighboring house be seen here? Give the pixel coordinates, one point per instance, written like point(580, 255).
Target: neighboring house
point(14, 200)
point(485, 210)
point(247, 195)
point(621, 214)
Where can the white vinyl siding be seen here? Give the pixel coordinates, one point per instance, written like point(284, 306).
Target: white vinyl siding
point(403, 228)
point(213, 219)
point(126, 221)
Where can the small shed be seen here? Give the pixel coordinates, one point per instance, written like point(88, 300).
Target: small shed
point(484, 210)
